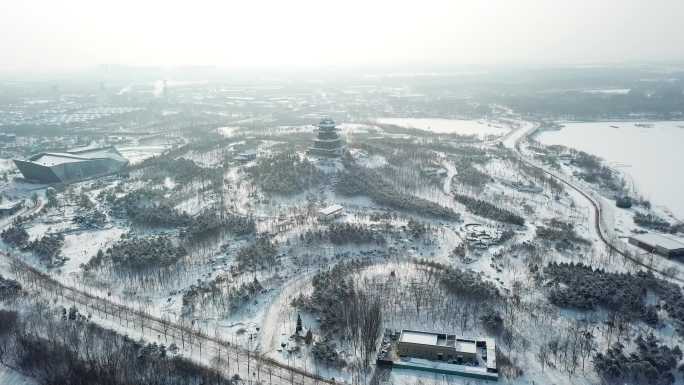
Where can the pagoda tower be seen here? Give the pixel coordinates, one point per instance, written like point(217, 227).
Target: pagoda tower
point(327, 142)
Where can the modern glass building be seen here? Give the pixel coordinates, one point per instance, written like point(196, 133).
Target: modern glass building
point(71, 166)
point(328, 142)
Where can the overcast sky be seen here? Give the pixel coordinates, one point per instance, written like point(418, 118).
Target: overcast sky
point(50, 34)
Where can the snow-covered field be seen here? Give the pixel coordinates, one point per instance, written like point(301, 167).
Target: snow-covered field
point(136, 154)
point(79, 247)
point(6, 165)
point(265, 321)
point(449, 126)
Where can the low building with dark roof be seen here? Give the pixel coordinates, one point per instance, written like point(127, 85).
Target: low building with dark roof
point(71, 166)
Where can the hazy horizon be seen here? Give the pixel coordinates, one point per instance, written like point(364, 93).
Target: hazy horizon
point(303, 34)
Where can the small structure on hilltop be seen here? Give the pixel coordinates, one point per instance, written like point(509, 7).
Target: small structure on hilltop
point(331, 212)
point(434, 172)
point(528, 187)
point(71, 166)
point(246, 157)
point(659, 244)
point(481, 237)
point(440, 353)
point(327, 142)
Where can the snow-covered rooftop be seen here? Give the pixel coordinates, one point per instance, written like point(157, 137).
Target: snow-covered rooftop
point(57, 158)
point(332, 209)
point(658, 240)
point(53, 159)
point(422, 338)
point(466, 346)
point(101, 152)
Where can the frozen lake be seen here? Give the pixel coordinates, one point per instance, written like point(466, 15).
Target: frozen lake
point(652, 156)
point(448, 126)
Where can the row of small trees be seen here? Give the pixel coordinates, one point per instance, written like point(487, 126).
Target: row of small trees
point(465, 283)
point(343, 233)
point(139, 254)
point(220, 295)
point(147, 207)
point(561, 234)
point(48, 248)
point(345, 311)
point(258, 255)
point(15, 235)
point(651, 221)
point(64, 347)
point(363, 181)
point(488, 210)
point(183, 171)
point(209, 222)
point(9, 288)
point(651, 364)
point(591, 167)
point(582, 287)
point(469, 175)
point(285, 173)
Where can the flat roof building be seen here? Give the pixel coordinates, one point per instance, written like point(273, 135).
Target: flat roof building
point(245, 157)
point(451, 354)
point(71, 166)
point(436, 347)
point(660, 244)
point(330, 212)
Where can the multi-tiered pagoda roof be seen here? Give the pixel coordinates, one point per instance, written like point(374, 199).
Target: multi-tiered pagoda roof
point(327, 142)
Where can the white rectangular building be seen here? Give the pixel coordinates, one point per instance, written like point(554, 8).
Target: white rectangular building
point(660, 244)
point(330, 212)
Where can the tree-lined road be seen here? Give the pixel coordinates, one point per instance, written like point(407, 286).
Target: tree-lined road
point(233, 359)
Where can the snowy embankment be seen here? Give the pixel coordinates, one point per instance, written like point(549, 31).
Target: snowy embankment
point(9, 376)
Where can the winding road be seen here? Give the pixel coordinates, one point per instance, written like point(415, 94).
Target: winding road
point(238, 359)
point(513, 142)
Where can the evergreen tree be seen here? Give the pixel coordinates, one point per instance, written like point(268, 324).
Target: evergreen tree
point(299, 324)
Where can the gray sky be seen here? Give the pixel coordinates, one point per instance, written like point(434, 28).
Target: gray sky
point(66, 34)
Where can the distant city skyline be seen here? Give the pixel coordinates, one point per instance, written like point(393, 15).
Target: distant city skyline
point(304, 34)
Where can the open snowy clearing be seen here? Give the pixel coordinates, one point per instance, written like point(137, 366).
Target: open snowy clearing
point(9, 376)
point(449, 126)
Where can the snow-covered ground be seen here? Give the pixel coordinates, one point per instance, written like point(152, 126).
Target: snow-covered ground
point(9, 376)
point(266, 321)
point(79, 247)
point(6, 165)
point(136, 154)
point(449, 126)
